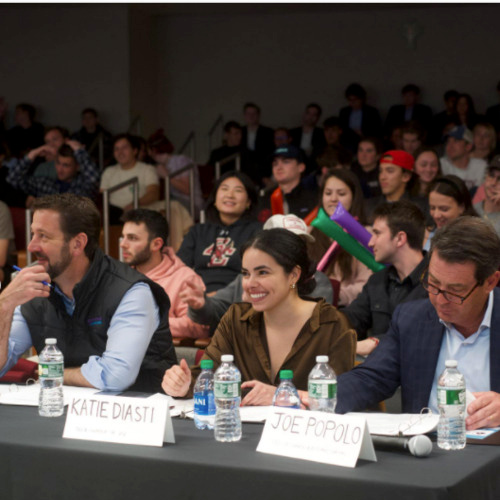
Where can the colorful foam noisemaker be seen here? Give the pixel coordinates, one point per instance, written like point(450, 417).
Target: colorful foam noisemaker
point(277, 202)
point(344, 219)
point(345, 240)
point(329, 254)
point(311, 216)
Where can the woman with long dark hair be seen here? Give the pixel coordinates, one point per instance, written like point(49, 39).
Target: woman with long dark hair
point(279, 327)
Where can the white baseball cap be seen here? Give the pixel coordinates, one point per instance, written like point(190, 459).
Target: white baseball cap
point(290, 222)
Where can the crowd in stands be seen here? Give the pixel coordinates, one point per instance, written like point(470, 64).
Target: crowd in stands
point(243, 272)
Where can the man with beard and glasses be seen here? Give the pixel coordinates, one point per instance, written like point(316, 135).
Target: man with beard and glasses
point(110, 321)
point(144, 237)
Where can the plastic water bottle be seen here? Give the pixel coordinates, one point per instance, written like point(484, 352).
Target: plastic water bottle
point(204, 403)
point(227, 391)
point(451, 404)
point(322, 386)
point(286, 395)
point(50, 375)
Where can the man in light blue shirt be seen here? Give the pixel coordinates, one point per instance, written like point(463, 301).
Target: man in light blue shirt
point(460, 320)
point(110, 322)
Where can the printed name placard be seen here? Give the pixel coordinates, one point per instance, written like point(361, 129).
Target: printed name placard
point(117, 419)
point(317, 436)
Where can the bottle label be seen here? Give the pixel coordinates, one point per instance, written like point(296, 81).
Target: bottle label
point(50, 370)
point(450, 396)
point(322, 389)
point(227, 390)
point(204, 403)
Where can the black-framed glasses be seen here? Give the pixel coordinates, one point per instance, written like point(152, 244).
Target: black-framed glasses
point(449, 296)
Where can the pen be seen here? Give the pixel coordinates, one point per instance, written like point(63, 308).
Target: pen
point(17, 268)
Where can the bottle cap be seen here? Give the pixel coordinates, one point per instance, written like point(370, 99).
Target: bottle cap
point(451, 363)
point(227, 358)
point(206, 364)
point(50, 341)
point(321, 359)
point(286, 374)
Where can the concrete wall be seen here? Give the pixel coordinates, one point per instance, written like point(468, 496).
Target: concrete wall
point(282, 59)
point(63, 58)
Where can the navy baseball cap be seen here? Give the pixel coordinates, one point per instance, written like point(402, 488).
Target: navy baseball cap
point(461, 133)
point(289, 151)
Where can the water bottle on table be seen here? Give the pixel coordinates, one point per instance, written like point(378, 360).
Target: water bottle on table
point(227, 392)
point(204, 403)
point(451, 404)
point(322, 386)
point(286, 394)
point(50, 376)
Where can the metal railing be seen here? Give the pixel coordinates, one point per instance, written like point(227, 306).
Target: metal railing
point(105, 205)
point(189, 168)
point(135, 126)
point(228, 159)
point(216, 127)
point(189, 145)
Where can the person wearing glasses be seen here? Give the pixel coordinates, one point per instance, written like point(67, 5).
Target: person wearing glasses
point(398, 230)
point(460, 319)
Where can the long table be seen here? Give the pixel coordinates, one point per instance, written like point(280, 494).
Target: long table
point(36, 463)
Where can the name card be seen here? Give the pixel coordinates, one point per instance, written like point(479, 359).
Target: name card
point(317, 436)
point(116, 419)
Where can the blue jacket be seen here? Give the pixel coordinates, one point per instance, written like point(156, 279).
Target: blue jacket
point(407, 356)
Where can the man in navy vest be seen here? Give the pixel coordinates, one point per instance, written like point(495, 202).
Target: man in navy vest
point(110, 322)
point(459, 320)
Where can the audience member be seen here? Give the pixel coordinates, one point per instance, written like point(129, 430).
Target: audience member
point(440, 120)
point(143, 244)
point(76, 173)
point(449, 198)
point(493, 114)
point(333, 152)
point(413, 137)
point(167, 164)
point(398, 232)
point(484, 141)
point(410, 110)
point(26, 134)
point(90, 134)
point(341, 186)
point(7, 245)
point(208, 310)
point(395, 174)
point(466, 111)
point(458, 161)
point(110, 322)
point(489, 209)
point(366, 166)
point(280, 328)
point(291, 195)
point(256, 138)
point(54, 138)
point(459, 320)
point(126, 150)
point(359, 118)
point(427, 169)
point(211, 249)
point(309, 137)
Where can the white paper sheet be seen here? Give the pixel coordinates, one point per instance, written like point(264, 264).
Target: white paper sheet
point(27, 395)
point(406, 424)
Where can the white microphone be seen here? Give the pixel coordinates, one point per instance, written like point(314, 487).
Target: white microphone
point(419, 445)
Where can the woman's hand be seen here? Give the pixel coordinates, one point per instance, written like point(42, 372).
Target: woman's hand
point(260, 395)
point(193, 295)
point(365, 347)
point(177, 380)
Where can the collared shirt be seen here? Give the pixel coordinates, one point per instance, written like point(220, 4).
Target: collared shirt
point(119, 365)
point(471, 353)
point(398, 289)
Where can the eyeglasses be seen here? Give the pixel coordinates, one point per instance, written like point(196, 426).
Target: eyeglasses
point(449, 296)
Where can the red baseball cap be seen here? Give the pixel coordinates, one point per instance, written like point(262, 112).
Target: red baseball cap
point(399, 158)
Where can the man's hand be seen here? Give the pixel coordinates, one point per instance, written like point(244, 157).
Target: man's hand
point(365, 347)
point(177, 379)
point(260, 395)
point(41, 151)
point(484, 411)
point(74, 145)
point(26, 286)
point(192, 294)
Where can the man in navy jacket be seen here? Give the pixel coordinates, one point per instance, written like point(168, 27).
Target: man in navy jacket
point(459, 320)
